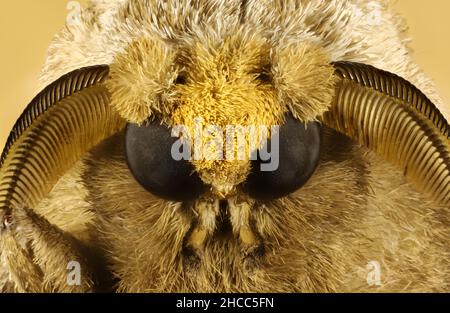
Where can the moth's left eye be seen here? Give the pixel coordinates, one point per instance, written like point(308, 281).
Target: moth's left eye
point(298, 154)
point(149, 157)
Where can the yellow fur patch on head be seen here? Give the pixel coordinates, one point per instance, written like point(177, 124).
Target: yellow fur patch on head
point(140, 79)
point(223, 87)
point(304, 79)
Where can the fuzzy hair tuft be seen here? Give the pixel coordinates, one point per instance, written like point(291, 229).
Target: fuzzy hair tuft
point(304, 79)
point(140, 78)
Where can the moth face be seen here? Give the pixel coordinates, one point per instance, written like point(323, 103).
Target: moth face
point(209, 116)
point(221, 91)
point(220, 119)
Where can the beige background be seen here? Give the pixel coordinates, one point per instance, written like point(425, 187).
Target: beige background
point(27, 26)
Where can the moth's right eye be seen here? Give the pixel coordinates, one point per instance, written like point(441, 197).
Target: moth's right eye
point(149, 157)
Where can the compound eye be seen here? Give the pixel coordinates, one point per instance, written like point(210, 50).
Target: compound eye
point(298, 155)
point(149, 157)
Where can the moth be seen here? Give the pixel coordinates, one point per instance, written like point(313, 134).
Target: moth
point(359, 200)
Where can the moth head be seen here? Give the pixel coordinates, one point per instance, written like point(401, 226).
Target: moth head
point(155, 85)
point(214, 84)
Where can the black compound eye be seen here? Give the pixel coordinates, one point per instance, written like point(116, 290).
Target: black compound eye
point(149, 157)
point(298, 156)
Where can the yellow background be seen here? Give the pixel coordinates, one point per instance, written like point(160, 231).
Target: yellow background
point(27, 26)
